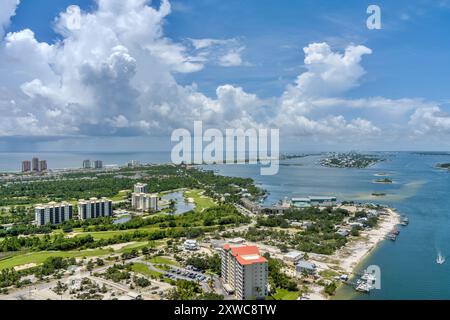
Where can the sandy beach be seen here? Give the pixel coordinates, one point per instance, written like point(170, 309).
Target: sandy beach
point(349, 257)
point(356, 251)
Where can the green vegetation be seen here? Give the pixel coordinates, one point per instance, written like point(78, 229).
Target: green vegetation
point(283, 294)
point(118, 272)
point(187, 290)
point(330, 289)
point(319, 237)
point(39, 257)
point(145, 270)
point(328, 274)
point(51, 265)
point(350, 160)
point(278, 279)
point(201, 202)
point(206, 263)
point(163, 260)
point(116, 185)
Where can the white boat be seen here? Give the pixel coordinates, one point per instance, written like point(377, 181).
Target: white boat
point(440, 259)
point(369, 277)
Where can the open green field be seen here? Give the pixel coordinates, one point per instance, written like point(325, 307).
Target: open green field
point(164, 260)
point(139, 245)
point(145, 270)
point(103, 235)
point(121, 196)
point(201, 202)
point(40, 257)
point(283, 294)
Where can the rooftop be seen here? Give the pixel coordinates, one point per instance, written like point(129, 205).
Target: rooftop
point(246, 255)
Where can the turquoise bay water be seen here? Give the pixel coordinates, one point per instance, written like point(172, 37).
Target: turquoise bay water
point(419, 191)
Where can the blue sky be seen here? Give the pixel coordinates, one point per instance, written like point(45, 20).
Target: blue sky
point(408, 59)
point(275, 32)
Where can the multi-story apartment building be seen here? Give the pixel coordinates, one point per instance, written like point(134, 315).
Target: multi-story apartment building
point(140, 188)
point(53, 213)
point(43, 165)
point(35, 164)
point(26, 166)
point(94, 208)
point(98, 164)
point(142, 200)
point(87, 164)
point(244, 272)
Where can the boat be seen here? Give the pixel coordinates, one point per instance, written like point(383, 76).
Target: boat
point(368, 277)
point(363, 287)
point(391, 237)
point(440, 259)
point(404, 221)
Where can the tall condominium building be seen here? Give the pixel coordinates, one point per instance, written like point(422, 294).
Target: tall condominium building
point(98, 164)
point(142, 200)
point(43, 165)
point(26, 166)
point(35, 164)
point(133, 163)
point(141, 188)
point(53, 213)
point(244, 272)
point(94, 208)
point(87, 164)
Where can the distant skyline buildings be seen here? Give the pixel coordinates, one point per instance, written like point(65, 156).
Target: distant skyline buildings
point(88, 164)
point(35, 165)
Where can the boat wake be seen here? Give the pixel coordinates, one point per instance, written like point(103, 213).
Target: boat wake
point(440, 259)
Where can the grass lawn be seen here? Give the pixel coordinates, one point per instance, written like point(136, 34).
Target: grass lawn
point(328, 274)
point(40, 257)
point(283, 294)
point(101, 235)
point(163, 260)
point(139, 245)
point(201, 202)
point(145, 270)
point(122, 195)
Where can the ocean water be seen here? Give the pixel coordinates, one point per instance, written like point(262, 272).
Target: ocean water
point(420, 191)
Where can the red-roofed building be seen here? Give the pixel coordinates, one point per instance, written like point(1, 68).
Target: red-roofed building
point(244, 272)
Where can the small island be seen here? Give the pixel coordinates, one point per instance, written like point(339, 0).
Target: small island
point(445, 166)
point(385, 180)
point(379, 194)
point(350, 160)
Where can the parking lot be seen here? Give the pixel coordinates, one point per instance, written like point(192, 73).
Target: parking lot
point(190, 274)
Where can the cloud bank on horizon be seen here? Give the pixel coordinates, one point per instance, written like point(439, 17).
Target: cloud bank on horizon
point(114, 74)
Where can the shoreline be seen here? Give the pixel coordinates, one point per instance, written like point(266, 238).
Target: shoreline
point(350, 257)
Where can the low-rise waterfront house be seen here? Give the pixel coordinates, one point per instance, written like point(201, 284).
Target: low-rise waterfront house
point(303, 267)
point(343, 232)
point(293, 257)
